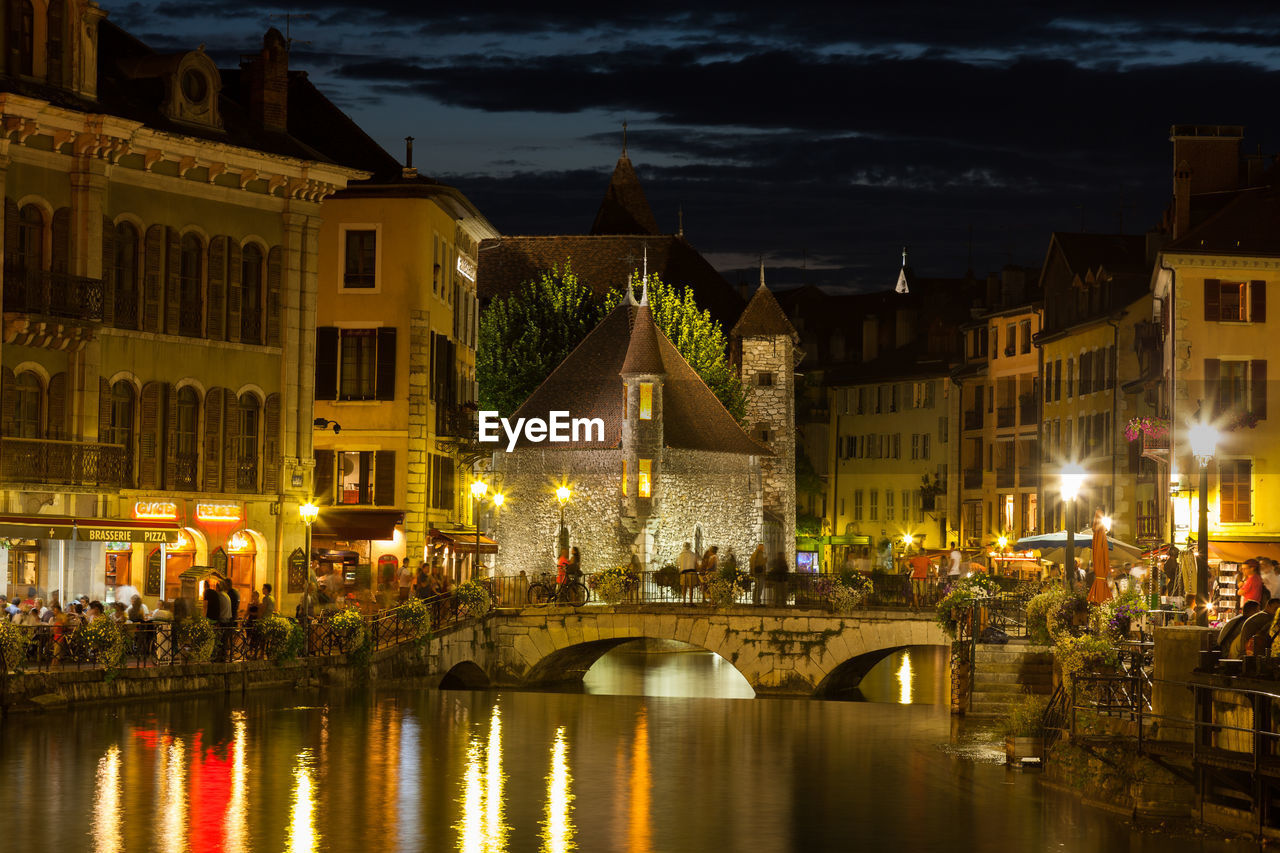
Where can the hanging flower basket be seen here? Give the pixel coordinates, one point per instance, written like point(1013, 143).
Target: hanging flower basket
point(1153, 428)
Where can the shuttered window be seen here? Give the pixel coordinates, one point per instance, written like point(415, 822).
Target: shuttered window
point(125, 251)
point(27, 405)
point(191, 287)
point(1235, 301)
point(250, 413)
point(355, 364)
point(251, 293)
point(358, 364)
point(1235, 484)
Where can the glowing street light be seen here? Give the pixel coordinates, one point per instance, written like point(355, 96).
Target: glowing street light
point(308, 512)
point(562, 495)
point(1203, 438)
point(1069, 487)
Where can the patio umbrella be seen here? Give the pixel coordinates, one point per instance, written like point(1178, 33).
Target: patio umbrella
point(1051, 546)
point(1100, 591)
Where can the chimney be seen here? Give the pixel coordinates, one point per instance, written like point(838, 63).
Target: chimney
point(1181, 199)
point(408, 171)
point(1206, 159)
point(267, 78)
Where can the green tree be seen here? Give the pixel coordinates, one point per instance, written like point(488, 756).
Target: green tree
point(698, 337)
point(525, 335)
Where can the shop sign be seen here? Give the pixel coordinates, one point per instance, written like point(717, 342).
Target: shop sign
point(297, 571)
point(155, 510)
point(466, 268)
point(218, 513)
point(59, 530)
point(87, 533)
point(152, 582)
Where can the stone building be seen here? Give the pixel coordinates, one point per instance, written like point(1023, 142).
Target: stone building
point(670, 466)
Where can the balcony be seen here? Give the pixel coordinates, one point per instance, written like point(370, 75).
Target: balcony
point(52, 294)
point(1004, 478)
point(1028, 477)
point(247, 476)
point(973, 420)
point(1004, 417)
point(1027, 415)
point(186, 474)
point(1148, 527)
point(972, 478)
point(125, 302)
point(1156, 448)
point(69, 463)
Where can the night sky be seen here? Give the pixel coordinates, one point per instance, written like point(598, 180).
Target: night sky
point(820, 137)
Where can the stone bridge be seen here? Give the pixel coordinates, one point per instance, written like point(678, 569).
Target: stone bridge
point(784, 652)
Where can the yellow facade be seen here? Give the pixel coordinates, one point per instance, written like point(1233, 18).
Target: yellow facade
point(422, 292)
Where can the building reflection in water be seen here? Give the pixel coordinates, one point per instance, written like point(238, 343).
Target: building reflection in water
point(303, 837)
point(237, 823)
point(106, 812)
point(905, 680)
point(482, 827)
point(557, 829)
point(408, 791)
point(638, 838)
point(173, 796)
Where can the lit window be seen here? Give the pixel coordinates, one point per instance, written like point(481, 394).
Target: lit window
point(646, 401)
point(643, 488)
point(624, 476)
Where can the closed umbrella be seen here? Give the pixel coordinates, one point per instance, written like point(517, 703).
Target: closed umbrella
point(1100, 591)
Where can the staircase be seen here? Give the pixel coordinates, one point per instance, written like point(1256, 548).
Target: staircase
point(1001, 674)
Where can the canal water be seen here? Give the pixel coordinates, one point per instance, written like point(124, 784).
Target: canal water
point(664, 751)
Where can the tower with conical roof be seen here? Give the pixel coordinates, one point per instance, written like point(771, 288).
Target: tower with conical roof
point(766, 350)
point(625, 209)
point(642, 375)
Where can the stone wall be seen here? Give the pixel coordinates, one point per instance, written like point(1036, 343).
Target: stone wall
point(720, 491)
point(772, 407)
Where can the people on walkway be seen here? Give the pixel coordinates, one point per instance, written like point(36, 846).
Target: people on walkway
point(267, 606)
point(404, 581)
point(778, 579)
point(708, 566)
point(953, 570)
point(687, 565)
point(1270, 576)
point(921, 579)
point(757, 565)
point(137, 610)
point(1250, 582)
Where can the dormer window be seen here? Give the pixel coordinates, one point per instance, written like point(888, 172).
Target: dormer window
point(643, 488)
point(195, 86)
point(646, 401)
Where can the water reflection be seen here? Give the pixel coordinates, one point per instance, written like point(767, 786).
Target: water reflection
point(557, 829)
point(904, 679)
point(409, 790)
point(173, 796)
point(106, 812)
point(237, 824)
point(665, 668)
point(303, 837)
point(638, 840)
point(482, 827)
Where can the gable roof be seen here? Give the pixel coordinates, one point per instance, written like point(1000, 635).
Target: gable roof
point(604, 263)
point(1248, 225)
point(764, 318)
point(588, 384)
point(624, 210)
point(1118, 253)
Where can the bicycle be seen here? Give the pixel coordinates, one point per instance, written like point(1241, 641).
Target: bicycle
point(572, 592)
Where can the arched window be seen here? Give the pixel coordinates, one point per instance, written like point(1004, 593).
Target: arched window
point(250, 416)
point(26, 32)
point(30, 249)
point(187, 452)
point(191, 312)
point(251, 288)
point(53, 51)
point(26, 411)
point(127, 243)
point(122, 405)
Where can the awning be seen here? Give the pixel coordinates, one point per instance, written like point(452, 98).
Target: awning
point(464, 540)
point(87, 529)
point(1238, 552)
point(359, 524)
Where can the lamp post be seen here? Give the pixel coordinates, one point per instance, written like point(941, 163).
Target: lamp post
point(1072, 480)
point(308, 512)
point(562, 539)
point(478, 490)
point(1002, 544)
point(1204, 444)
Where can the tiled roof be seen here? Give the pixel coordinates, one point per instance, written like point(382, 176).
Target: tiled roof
point(1249, 225)
point(624, 210)
point(763, 318)
point(1118, 253)
point(604, 263)
point(642, 351)
point(588, 384)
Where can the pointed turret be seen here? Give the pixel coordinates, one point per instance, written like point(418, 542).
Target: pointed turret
point(764, 317)
point(904, 275)
point(625, 210)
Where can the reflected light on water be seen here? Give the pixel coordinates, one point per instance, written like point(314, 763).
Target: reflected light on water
point(482, 828)
point(302, 827)
point(557, 830)
point(173, 798)
point(494, 827)
point(408, 806)
point(905, 676)
point(106, 811)
point(638, 839)
point(237, 824)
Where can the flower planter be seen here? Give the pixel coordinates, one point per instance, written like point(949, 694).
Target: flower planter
point(1018, 748)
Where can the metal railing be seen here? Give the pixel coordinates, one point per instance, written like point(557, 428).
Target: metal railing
point(247, 476)
point(973, 478)
point(973, 420)
point(125, 301)
point(186, 471)
point(251, 327)
point(191, 317)
point(71, 463)
point(55, 294)
point(1027, 415)
point(1004, 478)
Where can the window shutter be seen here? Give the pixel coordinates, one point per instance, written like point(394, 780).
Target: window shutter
point(230, 442)
point(1244, 490)
point(60, 235)
point(1212, 386)
point(56, 421)
point(1212, 298)
point(386, 380)
point(323, 483)
point(366, 466)
point(326, 363)
point(213, 405)
point(384, 478)
point(8, 401)
point(172, 281)
point(152, 258)
point(235, 295)
point(1258, 387)
point(271, 444)
point(10, 228)
point(108, 273)
point(275, 272)
point(1257, 302)
point(104, 410)
point(217, 298)
point(149, 436)
point(171, 441)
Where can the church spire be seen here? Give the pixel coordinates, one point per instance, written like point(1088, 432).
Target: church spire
point(625, 209)
point(644, 287)
point(903, 274)
point(762, 270)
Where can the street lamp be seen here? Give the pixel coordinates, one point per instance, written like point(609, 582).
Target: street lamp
point(1204, 444)
point(1072, 480)
point(562, 495)
point(308, 512)
point(478, 490)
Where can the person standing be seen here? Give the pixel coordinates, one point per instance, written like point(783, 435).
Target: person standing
point(687, 564)
point(404, 581)
point(234, 595)
point(267, 607)
point(778, 580)
point(757, 566)
point(708, 568)
point(1251, 586)
point(1269, 576)
point(921, 570)
point(953, 571)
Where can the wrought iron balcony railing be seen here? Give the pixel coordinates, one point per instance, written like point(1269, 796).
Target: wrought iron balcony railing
point(973, 419)
point(53, 294)
point(72, 463)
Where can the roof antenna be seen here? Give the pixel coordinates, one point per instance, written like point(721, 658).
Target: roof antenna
point(762, 270)
point(680, 222)
point(624, 138)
